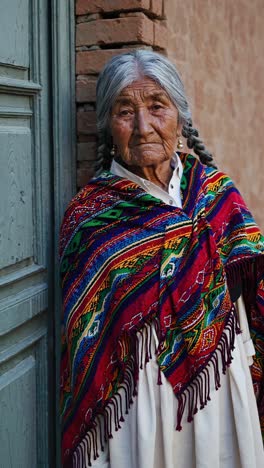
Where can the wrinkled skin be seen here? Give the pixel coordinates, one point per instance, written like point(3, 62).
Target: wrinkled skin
point(144, 127)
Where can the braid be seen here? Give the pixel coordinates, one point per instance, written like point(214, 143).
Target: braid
point(195, 143)
point(104, 157)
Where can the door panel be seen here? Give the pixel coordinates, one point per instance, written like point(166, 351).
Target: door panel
point(14, 44)
point(16, 219)
point(25, 232)
point(19, 386)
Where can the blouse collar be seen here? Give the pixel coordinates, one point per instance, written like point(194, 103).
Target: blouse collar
point(171, 197)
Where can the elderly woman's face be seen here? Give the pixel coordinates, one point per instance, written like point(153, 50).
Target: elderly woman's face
point(144, 124)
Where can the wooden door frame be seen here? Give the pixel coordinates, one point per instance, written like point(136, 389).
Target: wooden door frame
point(62, 30)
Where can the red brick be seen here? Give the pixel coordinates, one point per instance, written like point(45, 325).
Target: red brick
point(86, 18)
point(131, 13)
point(97, 6)
point(115, 31)
point(86, 122)
point(86, 89)
point(86, 138)
point(160, 34)
point(92, 61)
point(87, 151)
point(84, 174)
point(156, 7)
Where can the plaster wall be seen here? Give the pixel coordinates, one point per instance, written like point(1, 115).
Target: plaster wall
point(218, 50)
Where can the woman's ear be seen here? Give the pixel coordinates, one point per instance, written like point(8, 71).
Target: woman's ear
point(179, 129)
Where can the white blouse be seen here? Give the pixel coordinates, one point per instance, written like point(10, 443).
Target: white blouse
point(225, 434)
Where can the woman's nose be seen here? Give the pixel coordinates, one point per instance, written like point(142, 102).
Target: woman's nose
point(142, 124)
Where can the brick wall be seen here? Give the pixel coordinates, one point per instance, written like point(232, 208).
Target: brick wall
point(105, 28)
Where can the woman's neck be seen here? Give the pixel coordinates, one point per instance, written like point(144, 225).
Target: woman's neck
point(159, 174)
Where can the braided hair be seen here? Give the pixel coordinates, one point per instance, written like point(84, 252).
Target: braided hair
point(104, 157)
point(195, 143)
point(120, 72)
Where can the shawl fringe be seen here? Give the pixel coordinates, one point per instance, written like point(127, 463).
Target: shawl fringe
point(191, 399)
point(245, 271)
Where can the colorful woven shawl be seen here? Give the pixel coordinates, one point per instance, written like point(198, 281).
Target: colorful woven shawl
point(130, 262)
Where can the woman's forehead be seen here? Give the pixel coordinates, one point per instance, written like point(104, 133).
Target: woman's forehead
point(145, 86)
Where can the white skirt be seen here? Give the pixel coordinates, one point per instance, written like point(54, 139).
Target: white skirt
point(225, 434)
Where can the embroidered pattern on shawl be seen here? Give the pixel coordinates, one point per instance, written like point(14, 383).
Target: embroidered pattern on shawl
point(129, 261)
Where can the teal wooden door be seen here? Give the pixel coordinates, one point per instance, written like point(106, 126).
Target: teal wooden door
point(25, 232)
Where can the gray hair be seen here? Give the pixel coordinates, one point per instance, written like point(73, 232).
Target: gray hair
point(119, 73)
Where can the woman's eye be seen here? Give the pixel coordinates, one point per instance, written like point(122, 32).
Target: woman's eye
point(156, 107)
point(125, 112)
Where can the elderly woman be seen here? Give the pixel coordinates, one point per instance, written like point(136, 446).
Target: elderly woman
point(162, 276)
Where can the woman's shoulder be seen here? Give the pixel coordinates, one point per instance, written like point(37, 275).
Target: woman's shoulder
point(210, 181)
point(217, 181)
point(209, 176)
point(96, 188)
point(84, 205)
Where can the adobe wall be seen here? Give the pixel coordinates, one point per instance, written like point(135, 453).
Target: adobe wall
point(218, 49)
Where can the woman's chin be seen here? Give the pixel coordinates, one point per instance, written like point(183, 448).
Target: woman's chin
point(148, 158)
